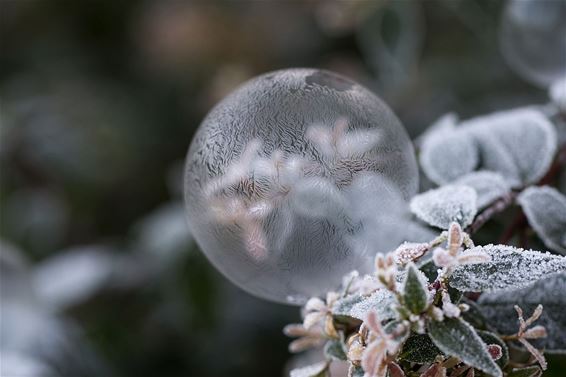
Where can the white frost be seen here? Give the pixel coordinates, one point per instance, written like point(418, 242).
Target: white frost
point(444, 205)
point(545, 209)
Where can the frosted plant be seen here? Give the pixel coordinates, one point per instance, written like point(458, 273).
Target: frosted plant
point(301, 188)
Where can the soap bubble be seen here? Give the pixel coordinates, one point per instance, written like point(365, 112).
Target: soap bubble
point(532, 39)
point(267, 178)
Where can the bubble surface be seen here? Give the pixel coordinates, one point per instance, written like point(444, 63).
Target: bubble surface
point(532, 39)
point(268, 174)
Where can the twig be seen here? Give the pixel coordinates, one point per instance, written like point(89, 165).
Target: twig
point(496, 207)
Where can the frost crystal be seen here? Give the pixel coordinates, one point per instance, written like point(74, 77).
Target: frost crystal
point(509, 268)
point(519, 144)
point(447, 204)
point(489, 186)
point(545, 209)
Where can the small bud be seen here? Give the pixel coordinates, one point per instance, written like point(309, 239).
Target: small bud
point(495, 351)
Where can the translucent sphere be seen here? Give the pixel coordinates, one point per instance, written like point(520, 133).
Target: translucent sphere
point(269, 175)
point(533, 39)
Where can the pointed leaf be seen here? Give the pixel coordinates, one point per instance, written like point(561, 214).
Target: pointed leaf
point(442, 206)
point(415, 291)
point(455, 337)
point(545, 209)
point(509, 268)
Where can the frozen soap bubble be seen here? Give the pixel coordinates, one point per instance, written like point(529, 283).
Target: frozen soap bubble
point(267, 178)
point(533, 39)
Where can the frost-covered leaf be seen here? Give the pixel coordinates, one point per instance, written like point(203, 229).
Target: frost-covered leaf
point(447, 155)
point(533, 371)
point(442, 206)
point(419, 348)
point(490, 338)
point(489, 186)
point(314, 370)
point(509, 268)
point(550, 292)
point(545, 209)
point(454, 337)
point(415, 292)
point(334, 349)
point(525, 134)
point(519, 144)
point(357, 306)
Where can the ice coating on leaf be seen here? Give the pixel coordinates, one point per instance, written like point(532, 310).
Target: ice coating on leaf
point(447, 155)
point(519, 144)
point(545, 209)
point(442, 206)
point(532, 39)
point(509, 268)
point(267, 172)
point(381, 301)
point(489, 186)
point(498, 308)
point(524, 133)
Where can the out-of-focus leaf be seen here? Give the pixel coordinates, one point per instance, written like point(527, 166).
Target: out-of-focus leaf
point(498, 309)
point(442, 206)
point(489, 186)
point(545, 209)
point(533, 371)
point(455, 337)
point(509, 268)
point(519, 144)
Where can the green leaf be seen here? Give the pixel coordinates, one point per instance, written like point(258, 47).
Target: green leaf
point(356, 371)
point(334, 349)
point(429, 269)
point(490, 338)
point(420, 349)
point(473, 315)
point(415, 290)
point(357, 306)
point(314, 370)
point(499, 312)
point(533, 371)
point(455, 337)
point(509, 268)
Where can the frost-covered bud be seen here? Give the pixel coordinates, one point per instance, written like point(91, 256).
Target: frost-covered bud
point(437, 314)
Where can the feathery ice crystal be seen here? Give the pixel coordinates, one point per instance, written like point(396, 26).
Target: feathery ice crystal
point(274, 173)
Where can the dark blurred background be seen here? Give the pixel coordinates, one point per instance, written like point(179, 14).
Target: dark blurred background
point(99, 100)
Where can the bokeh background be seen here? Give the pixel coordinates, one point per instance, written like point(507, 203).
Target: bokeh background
point(99, 100)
